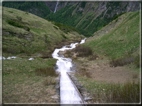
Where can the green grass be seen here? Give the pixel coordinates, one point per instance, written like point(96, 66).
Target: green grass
point(122, 41)
point(112, 93)
point(88, 20)
point(23, 66)
point(22, 72)
point(29, 34)
point(121, 46)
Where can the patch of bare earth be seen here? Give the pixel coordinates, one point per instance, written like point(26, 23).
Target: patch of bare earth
point(100, 70)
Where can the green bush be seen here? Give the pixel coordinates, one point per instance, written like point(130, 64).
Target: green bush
point(15, 23)
point(18, 23)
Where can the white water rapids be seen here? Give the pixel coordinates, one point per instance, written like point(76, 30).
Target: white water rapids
point(68, 93)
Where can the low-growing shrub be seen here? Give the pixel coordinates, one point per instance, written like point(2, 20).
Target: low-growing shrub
point(114, 93)
point(93, 57)
point(83, 51)
point(18, 24)
point(64, 36)
point(83, 72)
point(49, 71)
point(50, 81)
point(19, 18)
point(55, 27)
point(122, 61)
point(46, 54)
point(137, 61)
point(15, 23)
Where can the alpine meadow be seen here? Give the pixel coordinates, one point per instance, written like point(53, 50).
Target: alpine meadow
point(71, 52)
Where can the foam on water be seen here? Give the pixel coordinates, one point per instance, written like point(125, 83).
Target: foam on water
point(68, 93)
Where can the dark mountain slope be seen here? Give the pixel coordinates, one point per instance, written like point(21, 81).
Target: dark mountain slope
point(88, 17)
point(35, 7)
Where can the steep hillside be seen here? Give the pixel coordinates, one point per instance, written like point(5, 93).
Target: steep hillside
point(88, 17)
point(35, 7)
point(28, 34)
point(119, 38)
point(108, 64)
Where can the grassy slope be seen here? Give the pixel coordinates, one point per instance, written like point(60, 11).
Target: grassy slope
point(122, 40)
point(24, 82)
point(118, 40)
point(87, 17)
point(69, 16)
point(27, 33)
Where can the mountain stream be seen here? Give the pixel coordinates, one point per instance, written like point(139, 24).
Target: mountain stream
point(68, 92)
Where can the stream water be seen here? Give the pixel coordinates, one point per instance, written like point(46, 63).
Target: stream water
point(56, 6)
point(68, 92)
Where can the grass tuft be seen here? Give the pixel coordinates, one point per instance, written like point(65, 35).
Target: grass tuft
point(84, 72)
point(137, 61)
point(113, 93)
point(121, 61)
point(50, 81)
point(83, 51)
point(93, 57)
point(49, 71)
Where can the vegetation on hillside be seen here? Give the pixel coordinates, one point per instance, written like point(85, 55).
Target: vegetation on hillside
point(35, 7)
point(122, 42)
point(27, 81)
point(27, 35)
point(111, 92)
point(111, 52)
point(82, 15)
point(24, 33)
point(24, 36)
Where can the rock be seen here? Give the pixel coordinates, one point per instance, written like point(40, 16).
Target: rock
point(31, 58)
point(55, 97)
point(62, 52)
point(87, 98)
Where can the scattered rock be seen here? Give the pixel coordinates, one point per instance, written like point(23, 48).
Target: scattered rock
point(31, 58)
point(55, 97)
point(87, 98)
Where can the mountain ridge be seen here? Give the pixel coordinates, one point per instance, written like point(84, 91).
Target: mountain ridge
point(89, 17)
point(86, 16)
